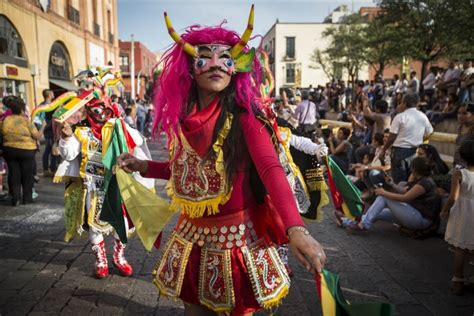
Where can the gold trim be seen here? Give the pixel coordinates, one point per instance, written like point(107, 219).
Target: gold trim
point(228, 281)
point(182, 264)
point(209, 206)
point(254, 272)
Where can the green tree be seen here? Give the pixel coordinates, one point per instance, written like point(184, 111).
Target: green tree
point(381, 39)
point(347, 44)
point(330, 67)
point(429, 30)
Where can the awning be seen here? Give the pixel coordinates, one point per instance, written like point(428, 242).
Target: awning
point(68, 85)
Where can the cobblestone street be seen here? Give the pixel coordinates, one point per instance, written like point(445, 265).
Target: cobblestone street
point(40, 274)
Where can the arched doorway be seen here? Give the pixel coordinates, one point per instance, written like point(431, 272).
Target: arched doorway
point(12, 57)
point(60, 70)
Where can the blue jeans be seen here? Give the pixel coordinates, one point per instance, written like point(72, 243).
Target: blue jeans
point(141, 124)
point(400, 163)
point(387, 210)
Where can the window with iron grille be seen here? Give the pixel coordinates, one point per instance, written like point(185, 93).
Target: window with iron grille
point(73, 14)
point(11, 45)
point(96, 29)
point(290, 73)
point(111, 38)
point(290, 47)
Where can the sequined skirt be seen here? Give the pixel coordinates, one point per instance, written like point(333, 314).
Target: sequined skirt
point(223, 263)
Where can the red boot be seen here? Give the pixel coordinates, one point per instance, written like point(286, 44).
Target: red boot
point(120, 262)
point(101, 267)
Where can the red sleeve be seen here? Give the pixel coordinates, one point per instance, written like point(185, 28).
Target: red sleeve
point(158, 170)
point(269, 169)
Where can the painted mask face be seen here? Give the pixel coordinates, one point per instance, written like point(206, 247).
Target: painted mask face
point(99, 112)
point(213, 57)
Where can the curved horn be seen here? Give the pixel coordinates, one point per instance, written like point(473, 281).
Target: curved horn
point(188, 48)
point(235, 51)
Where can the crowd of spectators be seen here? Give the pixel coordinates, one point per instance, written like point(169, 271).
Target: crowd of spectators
point(391, 121)
point(402, 178)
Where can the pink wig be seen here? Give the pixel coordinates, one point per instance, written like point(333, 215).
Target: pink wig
point(172, 90)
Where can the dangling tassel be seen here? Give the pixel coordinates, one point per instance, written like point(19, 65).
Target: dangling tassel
point(120, 262)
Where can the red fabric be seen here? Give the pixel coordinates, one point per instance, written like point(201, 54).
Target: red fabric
point(261, 151)
point(158, 170)
point(335, 194)
point(130, 143)
point(198, 127)
point(271, 219)
point(245, 301)
point(269, 169)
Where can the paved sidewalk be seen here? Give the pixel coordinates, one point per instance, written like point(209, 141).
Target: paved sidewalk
point(42, 275)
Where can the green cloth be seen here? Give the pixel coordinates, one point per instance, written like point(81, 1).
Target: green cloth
point(334, 304)
point(350, 193)
point(112, 208)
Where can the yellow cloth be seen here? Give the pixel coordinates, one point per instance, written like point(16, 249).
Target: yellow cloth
point(17, 132)
point(149, 213)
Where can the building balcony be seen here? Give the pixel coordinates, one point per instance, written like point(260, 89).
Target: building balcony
point(73, 14)
point(96, 29)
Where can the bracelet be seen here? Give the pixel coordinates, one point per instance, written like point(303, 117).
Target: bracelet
point(302, 229)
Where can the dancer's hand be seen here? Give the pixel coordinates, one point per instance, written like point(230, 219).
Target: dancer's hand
point(130, 163)
point(307, 250)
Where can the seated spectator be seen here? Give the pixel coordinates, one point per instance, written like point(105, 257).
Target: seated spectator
point(448, 111)
point(440, 101)
point(414, 206)
point(439, 169)
point(466, 82)
point(450, 79)
point(371, 174)
point(341, 153)
point(465, 130)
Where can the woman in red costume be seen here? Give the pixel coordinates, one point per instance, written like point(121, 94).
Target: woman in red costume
point(225, 179)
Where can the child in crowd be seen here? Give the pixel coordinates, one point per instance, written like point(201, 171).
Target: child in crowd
point(460, 207)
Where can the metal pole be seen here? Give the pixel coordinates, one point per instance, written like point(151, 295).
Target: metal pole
point(34, 91)
point(132, 69)
point(139, 81)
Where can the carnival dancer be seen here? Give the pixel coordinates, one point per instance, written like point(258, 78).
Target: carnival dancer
point(83, 147)
point(224, 178)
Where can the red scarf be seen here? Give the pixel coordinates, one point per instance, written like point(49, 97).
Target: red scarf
point(198, 127)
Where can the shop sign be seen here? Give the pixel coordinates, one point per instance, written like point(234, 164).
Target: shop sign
point(11, 71)
point(59, 67)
